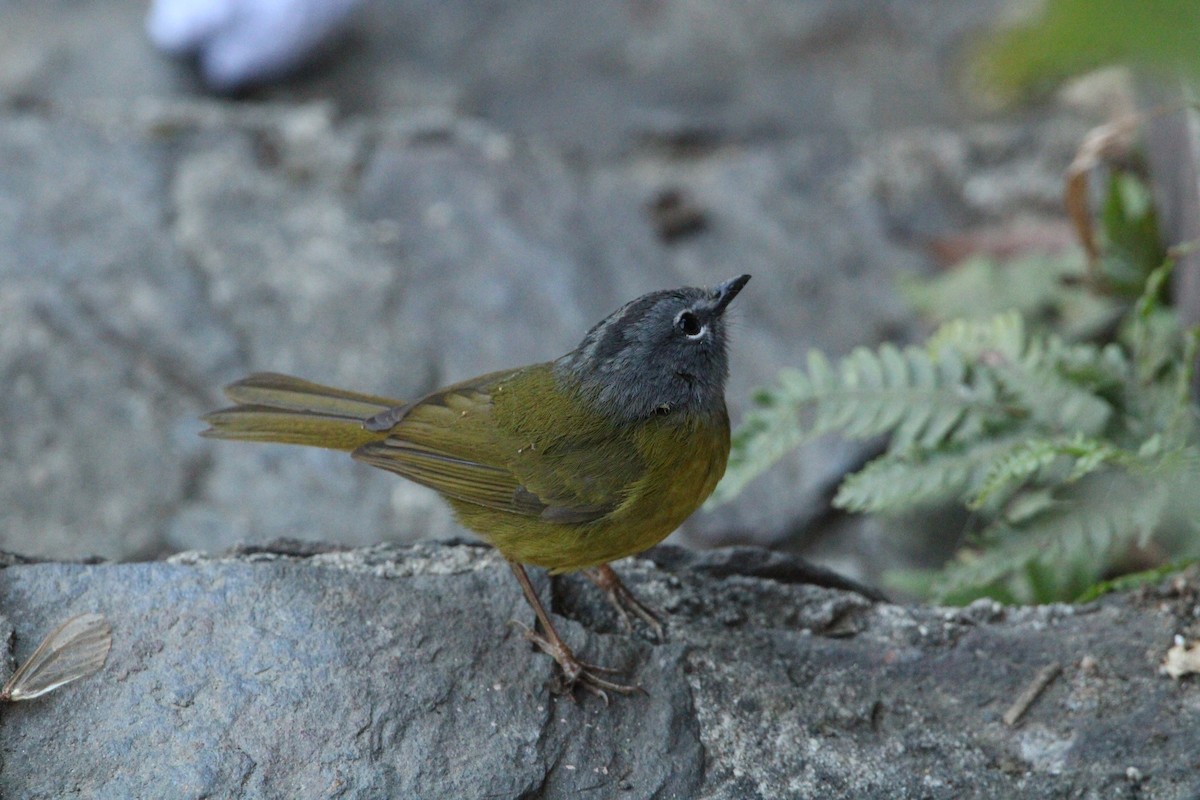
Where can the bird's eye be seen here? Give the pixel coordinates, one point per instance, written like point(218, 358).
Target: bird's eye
point(689, 324)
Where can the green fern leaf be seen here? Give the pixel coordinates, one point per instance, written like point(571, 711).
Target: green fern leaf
point(1041, 287)
point(997, 340)
point(1056, 402)
point(900, 482)
point(1099, 516)
point(766, 435)
point(922, 400)
point(907, 392)
point(1079, 456)
point(1134, 580)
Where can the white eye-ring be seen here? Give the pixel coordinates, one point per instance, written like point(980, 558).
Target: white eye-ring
point(690, 325)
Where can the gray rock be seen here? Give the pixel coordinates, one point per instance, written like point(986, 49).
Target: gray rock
point(89, 288)
point(58, 53)
point(598, 78)
point(395, 672)
point(607, 78)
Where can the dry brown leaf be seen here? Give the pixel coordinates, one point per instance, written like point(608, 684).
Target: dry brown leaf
point(1182, 659)
point(1105, 141)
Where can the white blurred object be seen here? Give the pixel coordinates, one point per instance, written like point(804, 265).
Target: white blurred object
point(245, 41)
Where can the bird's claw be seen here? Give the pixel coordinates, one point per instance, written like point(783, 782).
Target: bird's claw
point(576, 673)
point(626, 602)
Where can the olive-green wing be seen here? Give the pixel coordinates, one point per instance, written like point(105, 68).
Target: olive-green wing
point(578, 464)
point(482, 442)
point(448, 442)
point(580, 477)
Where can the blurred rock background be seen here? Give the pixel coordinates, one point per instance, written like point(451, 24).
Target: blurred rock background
point(454, 188)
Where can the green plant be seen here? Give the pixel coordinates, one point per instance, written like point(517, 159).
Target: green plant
point(1043, 288)
point(1068, 455)
point(1068, 37)
point(1054, 404)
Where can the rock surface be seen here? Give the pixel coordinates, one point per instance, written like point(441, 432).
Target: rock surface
point(395, 672)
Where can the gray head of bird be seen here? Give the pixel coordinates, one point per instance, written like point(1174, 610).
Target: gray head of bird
point(661, 354)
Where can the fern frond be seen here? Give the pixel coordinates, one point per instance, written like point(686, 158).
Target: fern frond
point(1009, 471)
point(1181, 424)
point(1041, 287)
point(766, 434)
point(899, 482)
point(1067, 454)
point(1134, 580)
point(1102, 514)
point(996, 340)
point(921, 399)
point(1103, 370)
point(1056, 402)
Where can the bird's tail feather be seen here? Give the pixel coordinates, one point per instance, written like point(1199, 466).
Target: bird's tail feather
point(278, 408)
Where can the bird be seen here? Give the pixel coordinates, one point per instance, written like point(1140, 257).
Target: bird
point(565, 465)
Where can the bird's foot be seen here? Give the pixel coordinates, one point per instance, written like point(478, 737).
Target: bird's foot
point(576, 673)
point(626, 602)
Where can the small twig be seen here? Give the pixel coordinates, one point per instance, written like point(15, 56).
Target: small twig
point(1035, 688)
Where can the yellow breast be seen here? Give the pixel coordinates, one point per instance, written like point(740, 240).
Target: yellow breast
point(685, 457)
